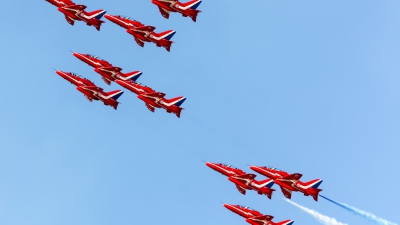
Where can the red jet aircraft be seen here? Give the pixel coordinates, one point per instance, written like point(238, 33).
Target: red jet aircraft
point(289, 183)
point(156, 100)
point(242, 180)
point(143, 33)
point(224, 169)
point(90, 90)
point(74, 12)
point(60, 3)
point(107, 71)
point(247, 182)
point(270, 172)
point(254, 217)
point(186, 9)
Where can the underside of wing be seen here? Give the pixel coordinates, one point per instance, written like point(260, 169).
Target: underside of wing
point(150, 107)
point(107, 81)
point(286, 192)
point(139, 42)
point(164, 12)
point(70, 20)
point(241, 190)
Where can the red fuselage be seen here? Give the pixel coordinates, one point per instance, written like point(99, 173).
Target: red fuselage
point(75, 79)
point(92, 61)
point(60, 3)
point(226, 170)
point(123, 21)
point(269, 172)
point(242, 211)
point(134, 87)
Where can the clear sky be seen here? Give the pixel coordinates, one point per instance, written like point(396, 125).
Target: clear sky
point(306, 86)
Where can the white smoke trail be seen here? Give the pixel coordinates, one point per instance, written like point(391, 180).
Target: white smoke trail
point(318, 216)
point(369, 216)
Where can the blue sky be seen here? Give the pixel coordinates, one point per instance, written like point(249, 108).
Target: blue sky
point(306, 86)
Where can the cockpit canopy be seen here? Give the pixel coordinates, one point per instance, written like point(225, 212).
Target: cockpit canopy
point(228, 165)
point(125, 17)
point(96, 57)
point(273, 168)
point(247, 208)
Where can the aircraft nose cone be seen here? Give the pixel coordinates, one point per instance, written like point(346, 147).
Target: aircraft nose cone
point(109, 17)
point(255, 168)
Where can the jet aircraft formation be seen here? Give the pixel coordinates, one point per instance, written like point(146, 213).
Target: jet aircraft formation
point(246, 181)
point(109, 73)
point(143, 33)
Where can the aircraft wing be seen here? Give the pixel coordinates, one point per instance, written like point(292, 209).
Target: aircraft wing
point(156, 94)
point(261, 220)
point(286, 192)
point(246, 176)
point(139, 42)
point(113, 68)
point(70, 20)
point(107, 81)
point(150, 107)
point(241, 190)
point(75, 7)
point(146, 28)
point(164, 12)
point(291, 178)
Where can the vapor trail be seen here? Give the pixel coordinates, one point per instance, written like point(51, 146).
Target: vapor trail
point(369, 216)
point(318, 216)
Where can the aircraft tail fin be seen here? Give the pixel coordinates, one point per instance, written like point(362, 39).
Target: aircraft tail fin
point(285, 222)
point(176, 101)
point(165, 35)
point(97, 14)
point(267, 183)
point(192, 4)
point(313, 184)
point(131, 75)
point(114, 94)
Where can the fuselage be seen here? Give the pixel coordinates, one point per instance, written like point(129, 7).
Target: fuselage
point(123, 21)
point(134, 87)
point(226, 170)
point(92, 61)
point(269, 172)
point(60, 3)
point(75, 79)
point(242, 211)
